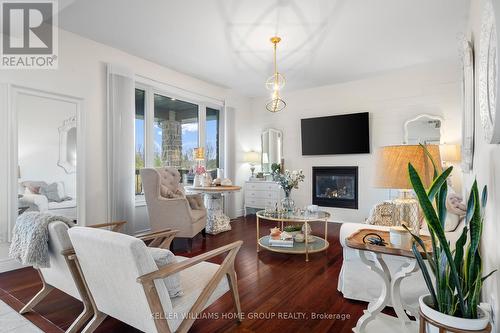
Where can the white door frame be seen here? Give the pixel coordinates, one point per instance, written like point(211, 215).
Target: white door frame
point(14, 91)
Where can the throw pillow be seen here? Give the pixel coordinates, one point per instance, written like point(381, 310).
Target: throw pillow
point(162, 258)
point(383, 214)
point(33, 187)
point(53, 192)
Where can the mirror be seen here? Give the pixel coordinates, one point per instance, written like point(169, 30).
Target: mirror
point(67, 145)
point(424, 128)
point(47, 153)
point(272, 148)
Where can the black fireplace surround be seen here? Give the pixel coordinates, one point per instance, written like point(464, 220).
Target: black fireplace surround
point(335, 187)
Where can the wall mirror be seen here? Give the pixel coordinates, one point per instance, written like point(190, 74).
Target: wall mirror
point(424, 128)
point(67, 145)
point(44, 141)
point(272, 148)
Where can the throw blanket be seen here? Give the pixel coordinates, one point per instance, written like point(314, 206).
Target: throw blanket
point(30, 242)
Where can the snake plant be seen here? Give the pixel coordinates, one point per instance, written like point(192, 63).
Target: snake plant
point(456, 280)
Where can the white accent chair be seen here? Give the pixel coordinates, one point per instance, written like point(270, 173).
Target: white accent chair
point(168, 206)
point(125, 281)
point(358, 282)
point(63, 273)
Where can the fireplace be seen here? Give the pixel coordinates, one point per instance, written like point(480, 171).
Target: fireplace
point(335, 187)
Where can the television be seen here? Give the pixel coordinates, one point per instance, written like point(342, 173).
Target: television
point(341, 134)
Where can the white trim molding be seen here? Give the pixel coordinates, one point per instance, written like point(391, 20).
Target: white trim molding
point(14, 93)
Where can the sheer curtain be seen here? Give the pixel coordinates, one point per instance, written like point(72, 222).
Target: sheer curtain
point(121, 159)
point(4, 165)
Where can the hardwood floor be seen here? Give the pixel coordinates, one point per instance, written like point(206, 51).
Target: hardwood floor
point(279, 292)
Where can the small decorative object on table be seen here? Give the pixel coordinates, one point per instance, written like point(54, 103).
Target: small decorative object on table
point(399, 236)
point(374, 239)
point(293, 229)
point(280, 239)
point(207, 179)
point(288, 181)
point(199, 171)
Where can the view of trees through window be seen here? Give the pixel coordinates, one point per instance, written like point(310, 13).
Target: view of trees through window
point(139, 138)
point(212, 140)
point(175, 135)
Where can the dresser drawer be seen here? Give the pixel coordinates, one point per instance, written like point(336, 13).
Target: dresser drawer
point(255, 186)
point(260, 203)
point(251, 194)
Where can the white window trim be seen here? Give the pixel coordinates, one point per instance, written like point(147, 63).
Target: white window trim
point(152, 87)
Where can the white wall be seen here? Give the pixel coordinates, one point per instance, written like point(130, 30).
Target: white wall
point(390, 99)
point(82, 73)
point(39, 120)
point(486, 170)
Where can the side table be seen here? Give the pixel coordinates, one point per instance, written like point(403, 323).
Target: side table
point(373, 320)
point(217, 221)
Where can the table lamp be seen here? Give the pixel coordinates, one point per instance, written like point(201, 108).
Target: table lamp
point(199, 154)
point(450, 153)
point(392, 173)
point(252, 157)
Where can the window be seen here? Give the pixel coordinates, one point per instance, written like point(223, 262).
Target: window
point(139, 138)
point(212, 141)
point(168, 129)
point(175, 132)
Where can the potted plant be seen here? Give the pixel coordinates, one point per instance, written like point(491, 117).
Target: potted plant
point(455, 288)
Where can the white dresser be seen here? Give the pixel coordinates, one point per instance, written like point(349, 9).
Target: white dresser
point(260, 194)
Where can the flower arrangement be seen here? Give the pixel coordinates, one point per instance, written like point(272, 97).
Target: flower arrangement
point(200, 170)
point(289, 180)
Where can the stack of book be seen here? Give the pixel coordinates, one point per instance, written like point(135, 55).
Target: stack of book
point(283, 240)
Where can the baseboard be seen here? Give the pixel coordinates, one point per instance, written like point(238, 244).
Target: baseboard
point(239, 213)
point(9, 265)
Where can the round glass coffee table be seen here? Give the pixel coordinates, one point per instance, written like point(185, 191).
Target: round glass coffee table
point(317, 244)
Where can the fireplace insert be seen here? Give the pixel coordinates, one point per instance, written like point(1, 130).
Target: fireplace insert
point(335, 187)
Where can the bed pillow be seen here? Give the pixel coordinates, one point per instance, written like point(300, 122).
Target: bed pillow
point(162, 258)
point(54, 192)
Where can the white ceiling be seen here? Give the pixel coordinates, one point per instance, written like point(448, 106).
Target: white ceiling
point(227, 41)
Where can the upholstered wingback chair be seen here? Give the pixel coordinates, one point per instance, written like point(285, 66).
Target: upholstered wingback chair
point(169, 206)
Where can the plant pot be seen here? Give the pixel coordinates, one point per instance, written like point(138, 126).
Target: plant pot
point(426, 306)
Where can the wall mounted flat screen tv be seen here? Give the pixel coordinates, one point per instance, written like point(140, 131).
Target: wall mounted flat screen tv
point(342, 134)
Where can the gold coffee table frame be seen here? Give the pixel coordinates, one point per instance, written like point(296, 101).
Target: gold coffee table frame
point(319, 244)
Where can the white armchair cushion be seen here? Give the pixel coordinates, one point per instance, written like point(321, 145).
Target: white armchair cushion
point(58, 275)
point(163, 257)
point(111, 263)
point(194, 280)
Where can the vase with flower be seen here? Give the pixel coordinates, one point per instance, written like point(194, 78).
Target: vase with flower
point(199, 171)
point(288, 181)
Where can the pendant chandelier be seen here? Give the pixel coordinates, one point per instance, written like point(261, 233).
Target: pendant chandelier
point(274, 83)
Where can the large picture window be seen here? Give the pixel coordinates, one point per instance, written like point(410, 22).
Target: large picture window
point(139, 138)
point(168, 129)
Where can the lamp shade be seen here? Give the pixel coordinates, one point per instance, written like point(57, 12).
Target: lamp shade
point(199, 154)
point(392, 165)
point(252, 157)
point(450, 153)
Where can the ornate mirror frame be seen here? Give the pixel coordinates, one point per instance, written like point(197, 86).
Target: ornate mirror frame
point(468, 113)
point(424, 115)
point(266, 145)
point(64, 162)
point(488, 75)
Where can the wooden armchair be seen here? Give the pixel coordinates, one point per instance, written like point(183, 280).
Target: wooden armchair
point(63, 273)
point(146, 305)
